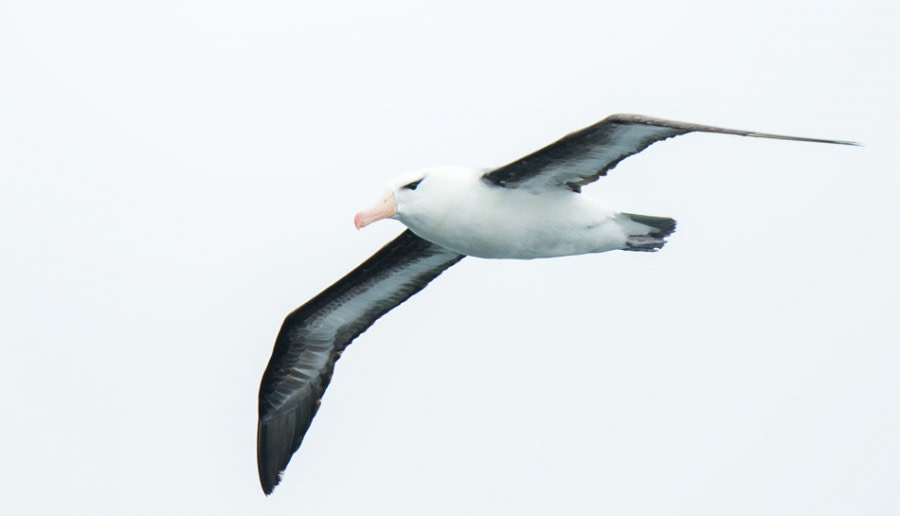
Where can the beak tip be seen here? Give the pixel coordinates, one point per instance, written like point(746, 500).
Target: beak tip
point(384, 208)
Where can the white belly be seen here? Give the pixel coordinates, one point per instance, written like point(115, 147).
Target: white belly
point(497, 222)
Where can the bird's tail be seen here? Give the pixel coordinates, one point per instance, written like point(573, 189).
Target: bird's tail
point(652, 232)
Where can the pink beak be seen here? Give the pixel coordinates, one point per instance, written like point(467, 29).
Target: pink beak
point(384, 208)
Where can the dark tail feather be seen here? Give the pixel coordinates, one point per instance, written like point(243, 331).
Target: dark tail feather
point(655, 239)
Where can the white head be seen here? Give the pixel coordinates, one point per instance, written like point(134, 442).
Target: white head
point(422, 196)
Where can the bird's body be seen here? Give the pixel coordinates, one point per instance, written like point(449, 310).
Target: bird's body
point(474, 218)
point(530, 208)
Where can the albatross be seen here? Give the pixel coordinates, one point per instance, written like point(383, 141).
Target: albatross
point(530, 208)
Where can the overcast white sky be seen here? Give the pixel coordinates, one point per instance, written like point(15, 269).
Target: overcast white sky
point(177, 176)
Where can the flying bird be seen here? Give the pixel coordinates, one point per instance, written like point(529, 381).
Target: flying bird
point(530, 208)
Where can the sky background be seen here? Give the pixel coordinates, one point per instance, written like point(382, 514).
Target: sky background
point(178, 176)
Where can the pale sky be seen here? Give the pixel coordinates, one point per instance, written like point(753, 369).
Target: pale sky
point(178, 176)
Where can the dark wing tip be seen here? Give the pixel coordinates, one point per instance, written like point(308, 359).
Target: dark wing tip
point(802, 139)
point(270, 468)
point(279, 436)
point(268, 484)
point(630, 118)
point(269, 477)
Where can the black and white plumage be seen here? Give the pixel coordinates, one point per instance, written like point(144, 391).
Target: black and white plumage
point(583, 156)
point(530, 208)
point(313, 337)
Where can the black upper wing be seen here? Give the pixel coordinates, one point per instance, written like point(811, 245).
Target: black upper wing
point(583, 156)
point(314, 335)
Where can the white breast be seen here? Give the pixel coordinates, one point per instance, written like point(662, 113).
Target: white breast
point(469, 216)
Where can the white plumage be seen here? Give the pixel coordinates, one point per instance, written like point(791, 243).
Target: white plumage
point(455, 208)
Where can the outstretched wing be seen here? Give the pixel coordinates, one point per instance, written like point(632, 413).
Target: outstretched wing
point(314, 335)
point(583, 156)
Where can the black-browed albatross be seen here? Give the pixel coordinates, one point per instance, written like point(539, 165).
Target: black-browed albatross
point(530, 208)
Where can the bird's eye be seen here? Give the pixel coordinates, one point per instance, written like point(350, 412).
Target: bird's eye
point(413, 185)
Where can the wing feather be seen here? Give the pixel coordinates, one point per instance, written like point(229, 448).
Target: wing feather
point(584, 156)
point(313, 336)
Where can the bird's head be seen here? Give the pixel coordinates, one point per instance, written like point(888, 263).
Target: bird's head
point(421, 194)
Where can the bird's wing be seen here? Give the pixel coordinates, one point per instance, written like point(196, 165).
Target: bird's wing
point(583, 156)
point(314, 335)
